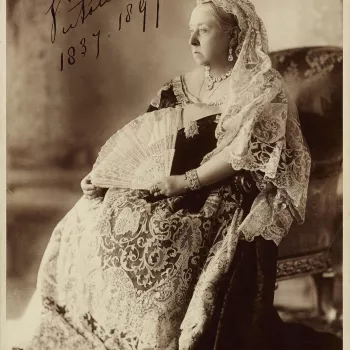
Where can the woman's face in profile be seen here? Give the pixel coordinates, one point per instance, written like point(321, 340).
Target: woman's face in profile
point(209, 43)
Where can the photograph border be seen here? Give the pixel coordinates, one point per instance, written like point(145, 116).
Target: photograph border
point(346, 174)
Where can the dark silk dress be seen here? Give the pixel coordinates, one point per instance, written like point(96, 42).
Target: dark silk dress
point(244, 318)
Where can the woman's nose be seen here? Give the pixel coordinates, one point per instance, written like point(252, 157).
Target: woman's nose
point(194, 39)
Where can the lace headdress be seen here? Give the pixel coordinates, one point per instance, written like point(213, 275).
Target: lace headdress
point(260, 130)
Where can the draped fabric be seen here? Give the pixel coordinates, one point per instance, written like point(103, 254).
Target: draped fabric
point(120, 272)
point(260, 130)
point(202, 308)
point(244, 317)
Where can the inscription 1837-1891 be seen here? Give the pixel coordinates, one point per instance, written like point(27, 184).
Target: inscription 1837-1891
point(84, 10)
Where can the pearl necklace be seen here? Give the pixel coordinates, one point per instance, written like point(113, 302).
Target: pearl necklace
point(212, 80)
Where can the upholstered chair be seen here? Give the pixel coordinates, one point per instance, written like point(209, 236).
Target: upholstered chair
point(314, 77)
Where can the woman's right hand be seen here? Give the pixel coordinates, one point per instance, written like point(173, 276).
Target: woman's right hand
point(90, 191)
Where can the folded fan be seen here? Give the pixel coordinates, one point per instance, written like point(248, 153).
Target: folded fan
point(140, 153)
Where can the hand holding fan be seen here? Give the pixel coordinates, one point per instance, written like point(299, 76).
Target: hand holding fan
point(140, 153)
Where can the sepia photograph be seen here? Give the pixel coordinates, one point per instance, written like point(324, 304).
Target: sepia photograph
point(174, 175)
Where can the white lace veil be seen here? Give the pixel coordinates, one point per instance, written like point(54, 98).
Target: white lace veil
point(260, 130)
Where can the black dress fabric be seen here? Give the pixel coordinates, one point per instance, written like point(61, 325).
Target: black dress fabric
point(244, 318)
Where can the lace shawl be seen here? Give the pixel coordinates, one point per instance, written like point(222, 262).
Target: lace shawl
point(260, 131)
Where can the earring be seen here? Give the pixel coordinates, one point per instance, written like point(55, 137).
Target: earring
point(230, 57)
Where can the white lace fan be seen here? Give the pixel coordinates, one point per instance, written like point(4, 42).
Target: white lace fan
point(140, 153)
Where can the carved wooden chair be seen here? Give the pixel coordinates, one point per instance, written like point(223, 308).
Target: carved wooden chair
point(314, 76)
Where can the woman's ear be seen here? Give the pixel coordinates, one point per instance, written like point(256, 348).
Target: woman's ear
point(234, 37)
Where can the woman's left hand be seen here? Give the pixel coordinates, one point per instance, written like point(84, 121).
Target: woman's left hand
point(169, 186)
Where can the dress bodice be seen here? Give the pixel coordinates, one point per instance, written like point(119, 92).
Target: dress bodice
point(190, 150)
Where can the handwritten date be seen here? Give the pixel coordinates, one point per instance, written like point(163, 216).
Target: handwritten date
point(71, 52)
point(84, 10)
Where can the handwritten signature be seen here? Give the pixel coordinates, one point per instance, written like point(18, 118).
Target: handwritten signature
point(85, 10)
point(83, 14)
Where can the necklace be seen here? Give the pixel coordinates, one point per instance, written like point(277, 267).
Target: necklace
point(224, 96)
point(212, 80)
point(209, 99)
point(217, 87)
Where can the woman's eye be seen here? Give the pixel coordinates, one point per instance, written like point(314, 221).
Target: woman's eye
point(202, 30)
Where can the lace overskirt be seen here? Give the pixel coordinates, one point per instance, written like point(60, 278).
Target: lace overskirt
point(124, 273)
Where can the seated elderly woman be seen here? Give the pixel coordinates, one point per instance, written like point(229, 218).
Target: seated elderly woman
point(189, 263)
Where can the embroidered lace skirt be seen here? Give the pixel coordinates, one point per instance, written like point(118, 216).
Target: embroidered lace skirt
point(125, 273)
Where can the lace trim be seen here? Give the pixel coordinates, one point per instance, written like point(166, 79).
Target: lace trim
point(178, 88)
point(247, 18)
point(191, 129)
point(270, 217)
point(156, 100)
point(190, 96)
